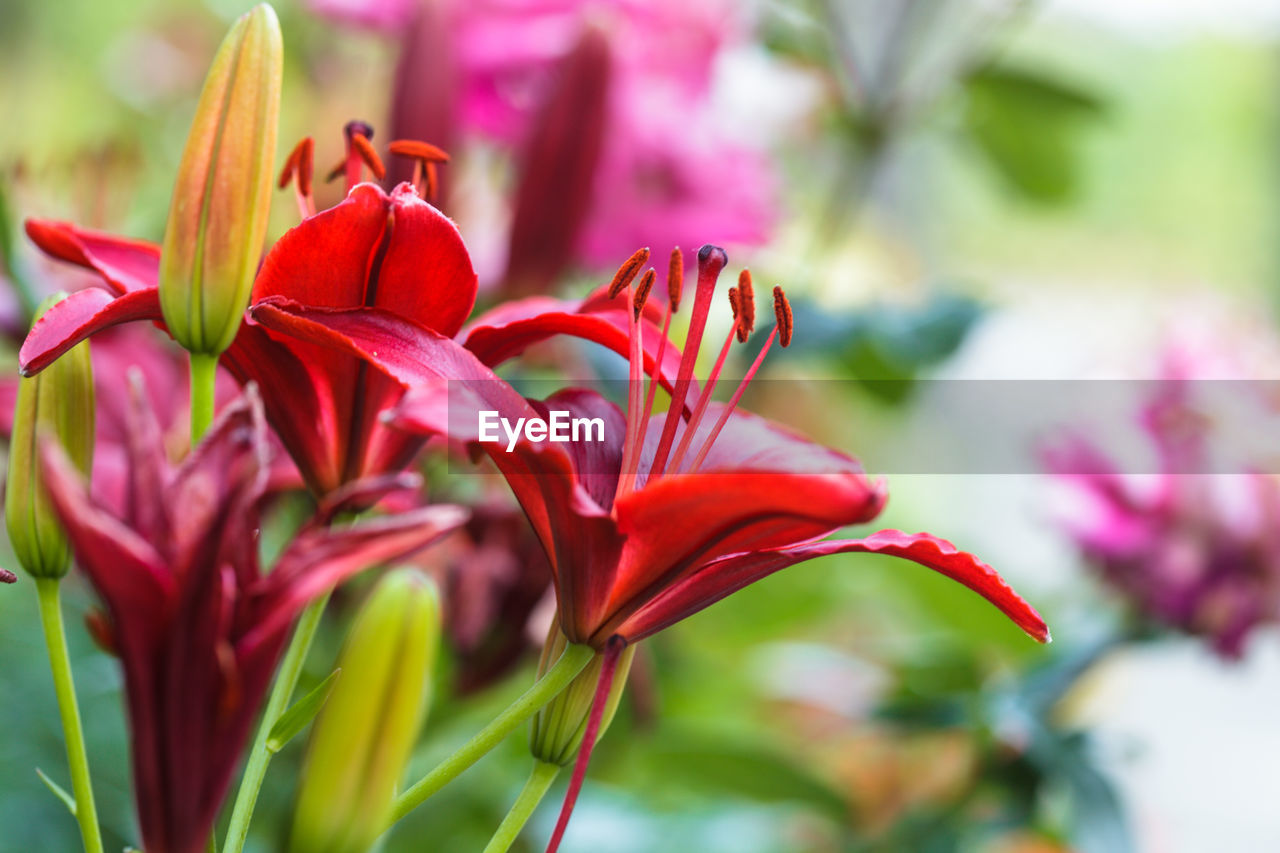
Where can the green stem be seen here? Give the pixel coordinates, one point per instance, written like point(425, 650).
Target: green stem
point(255, 769)
point(47, 590)
point(204, 370)
point(544, 773)
point(573, 661)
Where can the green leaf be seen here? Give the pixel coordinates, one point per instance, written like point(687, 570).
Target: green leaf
point(1030, 128)
point(58, 791)
point(736, 766)
point(300, 713)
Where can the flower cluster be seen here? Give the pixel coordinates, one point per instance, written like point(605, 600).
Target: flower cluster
point(1187, 549)
point(354, 346)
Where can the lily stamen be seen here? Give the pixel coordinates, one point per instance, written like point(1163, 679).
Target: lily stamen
point(782, 329)
point(747, 302)
point(642, 291)
point(782, 309)
point(425, 156)
point(299, 168)
point(627, 272)
point(675, 287)
point(704, 399)
point(635, 371)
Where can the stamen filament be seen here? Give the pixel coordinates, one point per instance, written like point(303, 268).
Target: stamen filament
point(635, 386)
point(733, 402)
point(703, 399)
point(633, 473)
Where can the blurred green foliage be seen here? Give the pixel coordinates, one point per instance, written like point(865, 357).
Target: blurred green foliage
point(1030, 128)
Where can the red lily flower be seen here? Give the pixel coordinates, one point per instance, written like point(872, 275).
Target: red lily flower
point(395, 252)
point(669, 513)
point(197, 624)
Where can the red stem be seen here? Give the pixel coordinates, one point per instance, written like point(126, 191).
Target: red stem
point(608, 668)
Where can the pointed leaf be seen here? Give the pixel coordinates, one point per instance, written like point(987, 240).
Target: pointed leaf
point(300, 713)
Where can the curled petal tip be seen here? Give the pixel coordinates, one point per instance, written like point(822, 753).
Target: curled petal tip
point(7, 576)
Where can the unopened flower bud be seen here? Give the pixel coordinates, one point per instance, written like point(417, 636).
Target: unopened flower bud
point(218, 215)
point(559, 727)
point(363, 737)
point(58, 404)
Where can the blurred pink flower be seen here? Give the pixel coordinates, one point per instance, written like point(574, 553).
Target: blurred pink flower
point(668, 173)
point(1190, 550)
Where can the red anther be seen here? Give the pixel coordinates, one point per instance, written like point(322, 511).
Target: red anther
point(675, 278)
point(290, 166)
point(418, 150)
point(367, 153)
point(7, 576)
point(306, 165)
point(425, 156)
point(736, 308)
point(782, 310)
point(643, 288)
point(747, 302)
point(299, 165)
point(627, 272)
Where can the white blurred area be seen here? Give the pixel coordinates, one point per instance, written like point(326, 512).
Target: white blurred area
point(1254, 19)
point(1191, 741)
point(1193, 744)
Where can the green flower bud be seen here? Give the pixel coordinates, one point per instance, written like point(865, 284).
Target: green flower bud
point(559, 727)
point(221, 199)
point(56, 403)
point(363, 737)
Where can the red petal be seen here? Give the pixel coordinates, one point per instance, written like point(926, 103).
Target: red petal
point(77, 317)
point(319, 560)
point(723, 577)
point(683, 521)
point(450, 386)
point(508, 331)
point(426, 274)
point(126, 570)
point(398, 246)
point(124, 264)
point(298, 401)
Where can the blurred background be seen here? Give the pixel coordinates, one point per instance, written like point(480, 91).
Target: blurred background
point(950, 190)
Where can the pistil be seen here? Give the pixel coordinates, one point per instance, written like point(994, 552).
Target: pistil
point(711, 259)
point(360, 154)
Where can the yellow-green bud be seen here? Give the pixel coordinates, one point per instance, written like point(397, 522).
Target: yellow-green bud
point(559, 727)
point(221, 199)
point(363, 737)
point(56, 403)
